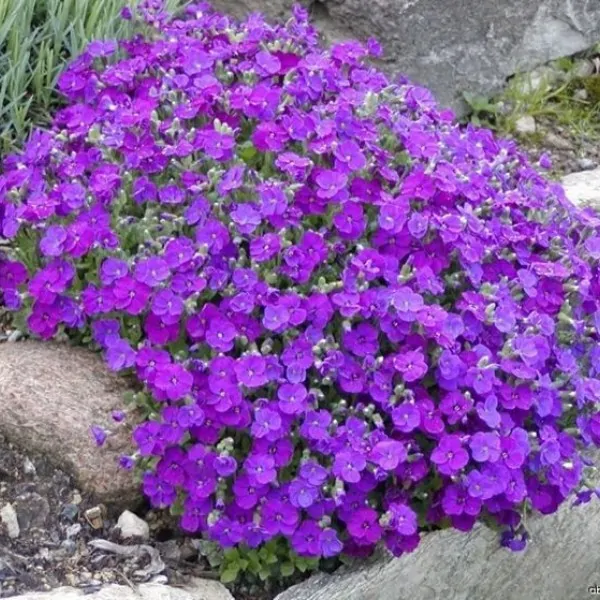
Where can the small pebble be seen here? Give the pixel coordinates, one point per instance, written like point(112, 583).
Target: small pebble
point(9, 518)
point(525, 125)
point(159, 579)
point(131, 525)
point(28, 467)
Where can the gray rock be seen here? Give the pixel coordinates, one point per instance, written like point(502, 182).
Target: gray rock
point(560, 562)
point(131, 525)
point(50, 395)
point(453, 46)
point(199, 589)
point(583, 188)
point(525, 125)
point(9, 519)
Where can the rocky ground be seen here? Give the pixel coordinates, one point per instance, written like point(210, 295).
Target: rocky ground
point(53, 534)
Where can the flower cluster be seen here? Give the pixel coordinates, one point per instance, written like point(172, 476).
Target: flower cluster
point(355, 318)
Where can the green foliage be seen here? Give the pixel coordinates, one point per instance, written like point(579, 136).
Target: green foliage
point(37, 38)
point(274, 561)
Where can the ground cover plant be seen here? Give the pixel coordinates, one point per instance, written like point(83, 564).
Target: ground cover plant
point(353, 320)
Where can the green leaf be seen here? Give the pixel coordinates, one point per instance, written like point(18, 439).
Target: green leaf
point(247, 151)
point(287, 569)
point(176, 509)
point(232, 555)
point(230, 573)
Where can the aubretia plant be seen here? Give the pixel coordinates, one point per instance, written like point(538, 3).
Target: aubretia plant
point(353, 319)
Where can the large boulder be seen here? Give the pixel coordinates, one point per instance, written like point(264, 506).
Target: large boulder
point(453, 46)
point(50, 395)
point(560, 563)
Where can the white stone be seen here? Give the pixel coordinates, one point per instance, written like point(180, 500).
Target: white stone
point(131, 525)
point(525, 125)
point(583, 188)
point(10, 521)
point(199, 589)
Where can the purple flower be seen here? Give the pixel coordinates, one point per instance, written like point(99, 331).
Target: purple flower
point(221, 334)
point(406, 417)
point(411, 365)
point(363, 525)
point(112, 269)
point(152, 271)
point(130, 295)
point(330, 544)
point(99, 435)
point(449, 456)
point(292, 398)
point(403, 519)
point(349, 465)
point(173, 380)
point(330, 183)
point(278, 517)
point(388, 454)
point(302, 493)
point(161, 493)
point(251, 371)
point(261, 469)
point(485, 447)
point(313, 473)
point(306, 540)
point(119, 354)
point(456, 501)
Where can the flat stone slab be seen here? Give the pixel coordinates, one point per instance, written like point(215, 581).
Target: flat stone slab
point(452, 46)
point(50, 395)
point(200, 589)
point(560, 563)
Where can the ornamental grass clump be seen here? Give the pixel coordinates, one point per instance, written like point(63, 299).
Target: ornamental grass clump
point(353, 320)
